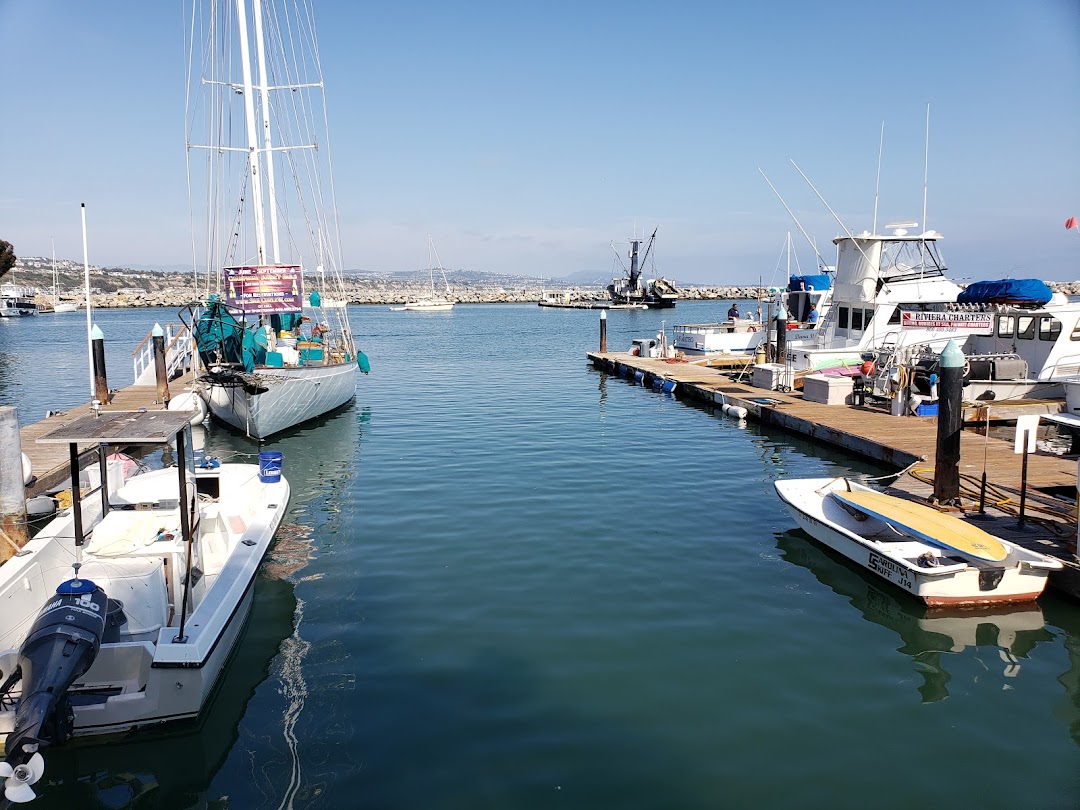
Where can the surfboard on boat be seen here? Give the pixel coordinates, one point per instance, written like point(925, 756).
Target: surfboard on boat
point(927, 524)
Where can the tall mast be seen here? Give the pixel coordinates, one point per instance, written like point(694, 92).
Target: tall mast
point(252, 137)
point(264, 103)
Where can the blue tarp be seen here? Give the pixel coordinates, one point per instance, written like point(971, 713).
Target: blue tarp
point(818, 282)
point(1006, 291)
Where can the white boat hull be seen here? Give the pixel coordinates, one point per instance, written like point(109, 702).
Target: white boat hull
point(146, 676)
point(428, 306)
point(953, 580)
point(293, 395)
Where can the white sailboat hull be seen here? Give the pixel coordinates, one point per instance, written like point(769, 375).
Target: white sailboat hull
point(294, 395)
point(428, 306)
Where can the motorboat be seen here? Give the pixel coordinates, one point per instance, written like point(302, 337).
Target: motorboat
point(936, 557)
point(122, 612)
point(16, 301)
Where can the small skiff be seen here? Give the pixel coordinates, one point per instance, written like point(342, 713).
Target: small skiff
point(938, 558)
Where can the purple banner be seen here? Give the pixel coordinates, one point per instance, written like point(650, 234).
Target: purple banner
point(273, 289)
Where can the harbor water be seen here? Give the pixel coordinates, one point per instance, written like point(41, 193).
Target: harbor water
point(509, 580)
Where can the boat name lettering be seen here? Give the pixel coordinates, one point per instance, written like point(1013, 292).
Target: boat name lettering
point(967, 322)
point(889, 569)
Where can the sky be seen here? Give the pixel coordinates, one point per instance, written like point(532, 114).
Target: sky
point(525, 137)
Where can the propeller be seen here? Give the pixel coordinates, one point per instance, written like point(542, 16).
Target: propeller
point(17, 780)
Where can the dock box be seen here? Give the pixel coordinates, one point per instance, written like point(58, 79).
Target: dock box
point(771, 377)
point(828, 389)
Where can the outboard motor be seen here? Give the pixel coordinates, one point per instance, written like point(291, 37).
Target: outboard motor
point(61, 647)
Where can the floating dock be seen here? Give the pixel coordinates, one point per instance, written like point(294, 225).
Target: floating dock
point(49, 462)
point(902, 442)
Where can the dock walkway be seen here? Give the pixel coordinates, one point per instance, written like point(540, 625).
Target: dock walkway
point(901, 442)
point(49, 462)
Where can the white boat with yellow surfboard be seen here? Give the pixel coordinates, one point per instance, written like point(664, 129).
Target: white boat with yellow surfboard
point(938, 558)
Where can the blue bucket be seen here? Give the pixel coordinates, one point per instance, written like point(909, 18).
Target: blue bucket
point(270, 466)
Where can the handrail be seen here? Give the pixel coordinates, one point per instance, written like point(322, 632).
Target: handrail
point(168, 327)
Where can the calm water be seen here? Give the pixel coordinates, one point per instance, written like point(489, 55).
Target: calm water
point(511, 581)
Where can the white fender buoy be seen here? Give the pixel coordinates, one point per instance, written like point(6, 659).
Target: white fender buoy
point(27, 470)
point(190, 401)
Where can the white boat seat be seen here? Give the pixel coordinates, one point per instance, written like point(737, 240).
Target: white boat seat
point(129, 531)
point(137, 582)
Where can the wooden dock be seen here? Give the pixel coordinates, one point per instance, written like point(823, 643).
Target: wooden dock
point(903, 442)
point(50, 461)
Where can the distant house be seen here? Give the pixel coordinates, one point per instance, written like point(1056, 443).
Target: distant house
point(131, 291)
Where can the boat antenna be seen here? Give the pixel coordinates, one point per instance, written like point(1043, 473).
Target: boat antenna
point(840, 222)
point(89, 317)
point(793, 218)
point(926, 168)
point(877, 183)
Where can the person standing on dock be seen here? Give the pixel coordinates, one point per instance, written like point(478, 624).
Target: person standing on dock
point(733, 313)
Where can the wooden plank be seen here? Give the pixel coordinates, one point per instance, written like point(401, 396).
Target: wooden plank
point(50, 461)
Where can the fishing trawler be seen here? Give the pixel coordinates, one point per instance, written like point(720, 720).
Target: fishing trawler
point(654, 293)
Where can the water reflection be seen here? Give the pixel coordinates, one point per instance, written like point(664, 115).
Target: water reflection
point(928, 636)
point(173, 767)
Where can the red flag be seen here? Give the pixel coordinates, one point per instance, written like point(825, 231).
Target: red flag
point(1070, 223)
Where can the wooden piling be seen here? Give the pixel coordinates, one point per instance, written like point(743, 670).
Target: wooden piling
point(13, 534)
point(159, 365)
point(950, 423)
point(101, 382)
point(603, 330)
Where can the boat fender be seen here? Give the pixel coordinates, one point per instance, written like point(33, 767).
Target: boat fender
point(27, 470)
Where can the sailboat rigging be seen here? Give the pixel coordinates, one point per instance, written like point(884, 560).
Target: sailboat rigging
point(433, 302)
point(273, 354)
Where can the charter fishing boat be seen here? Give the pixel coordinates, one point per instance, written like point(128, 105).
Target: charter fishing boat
point(655, 293)
point(878, 278)
point(16, 301)
point(122, 611)
point(937, 558)
point(272, 354)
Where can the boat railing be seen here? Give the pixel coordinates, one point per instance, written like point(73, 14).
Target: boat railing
point(179, 348)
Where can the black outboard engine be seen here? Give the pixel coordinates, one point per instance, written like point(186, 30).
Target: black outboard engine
point(61, 646)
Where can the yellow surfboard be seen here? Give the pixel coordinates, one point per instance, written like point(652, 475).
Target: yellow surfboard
point(927, 524)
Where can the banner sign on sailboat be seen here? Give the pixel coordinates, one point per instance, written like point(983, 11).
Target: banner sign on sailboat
point(970, 323)
point(265, 290)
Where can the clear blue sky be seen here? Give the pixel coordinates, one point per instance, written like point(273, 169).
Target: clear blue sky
point(526, 136)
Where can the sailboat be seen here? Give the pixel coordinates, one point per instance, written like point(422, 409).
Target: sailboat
point(57, 304)
point(434, 302)
point(272, 355)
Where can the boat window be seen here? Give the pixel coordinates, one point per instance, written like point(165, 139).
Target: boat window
point(842, 318)
point(1025, 327)
point(894, 317)
point(856, 319)
point(1075, 332)
point(867, 315)
point(1049, 328)
point(1006, 326)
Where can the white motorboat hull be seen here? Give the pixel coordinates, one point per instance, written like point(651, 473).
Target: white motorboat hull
point(741, 337)
point(952, 580)
point(294, 395)
point(146, 676)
